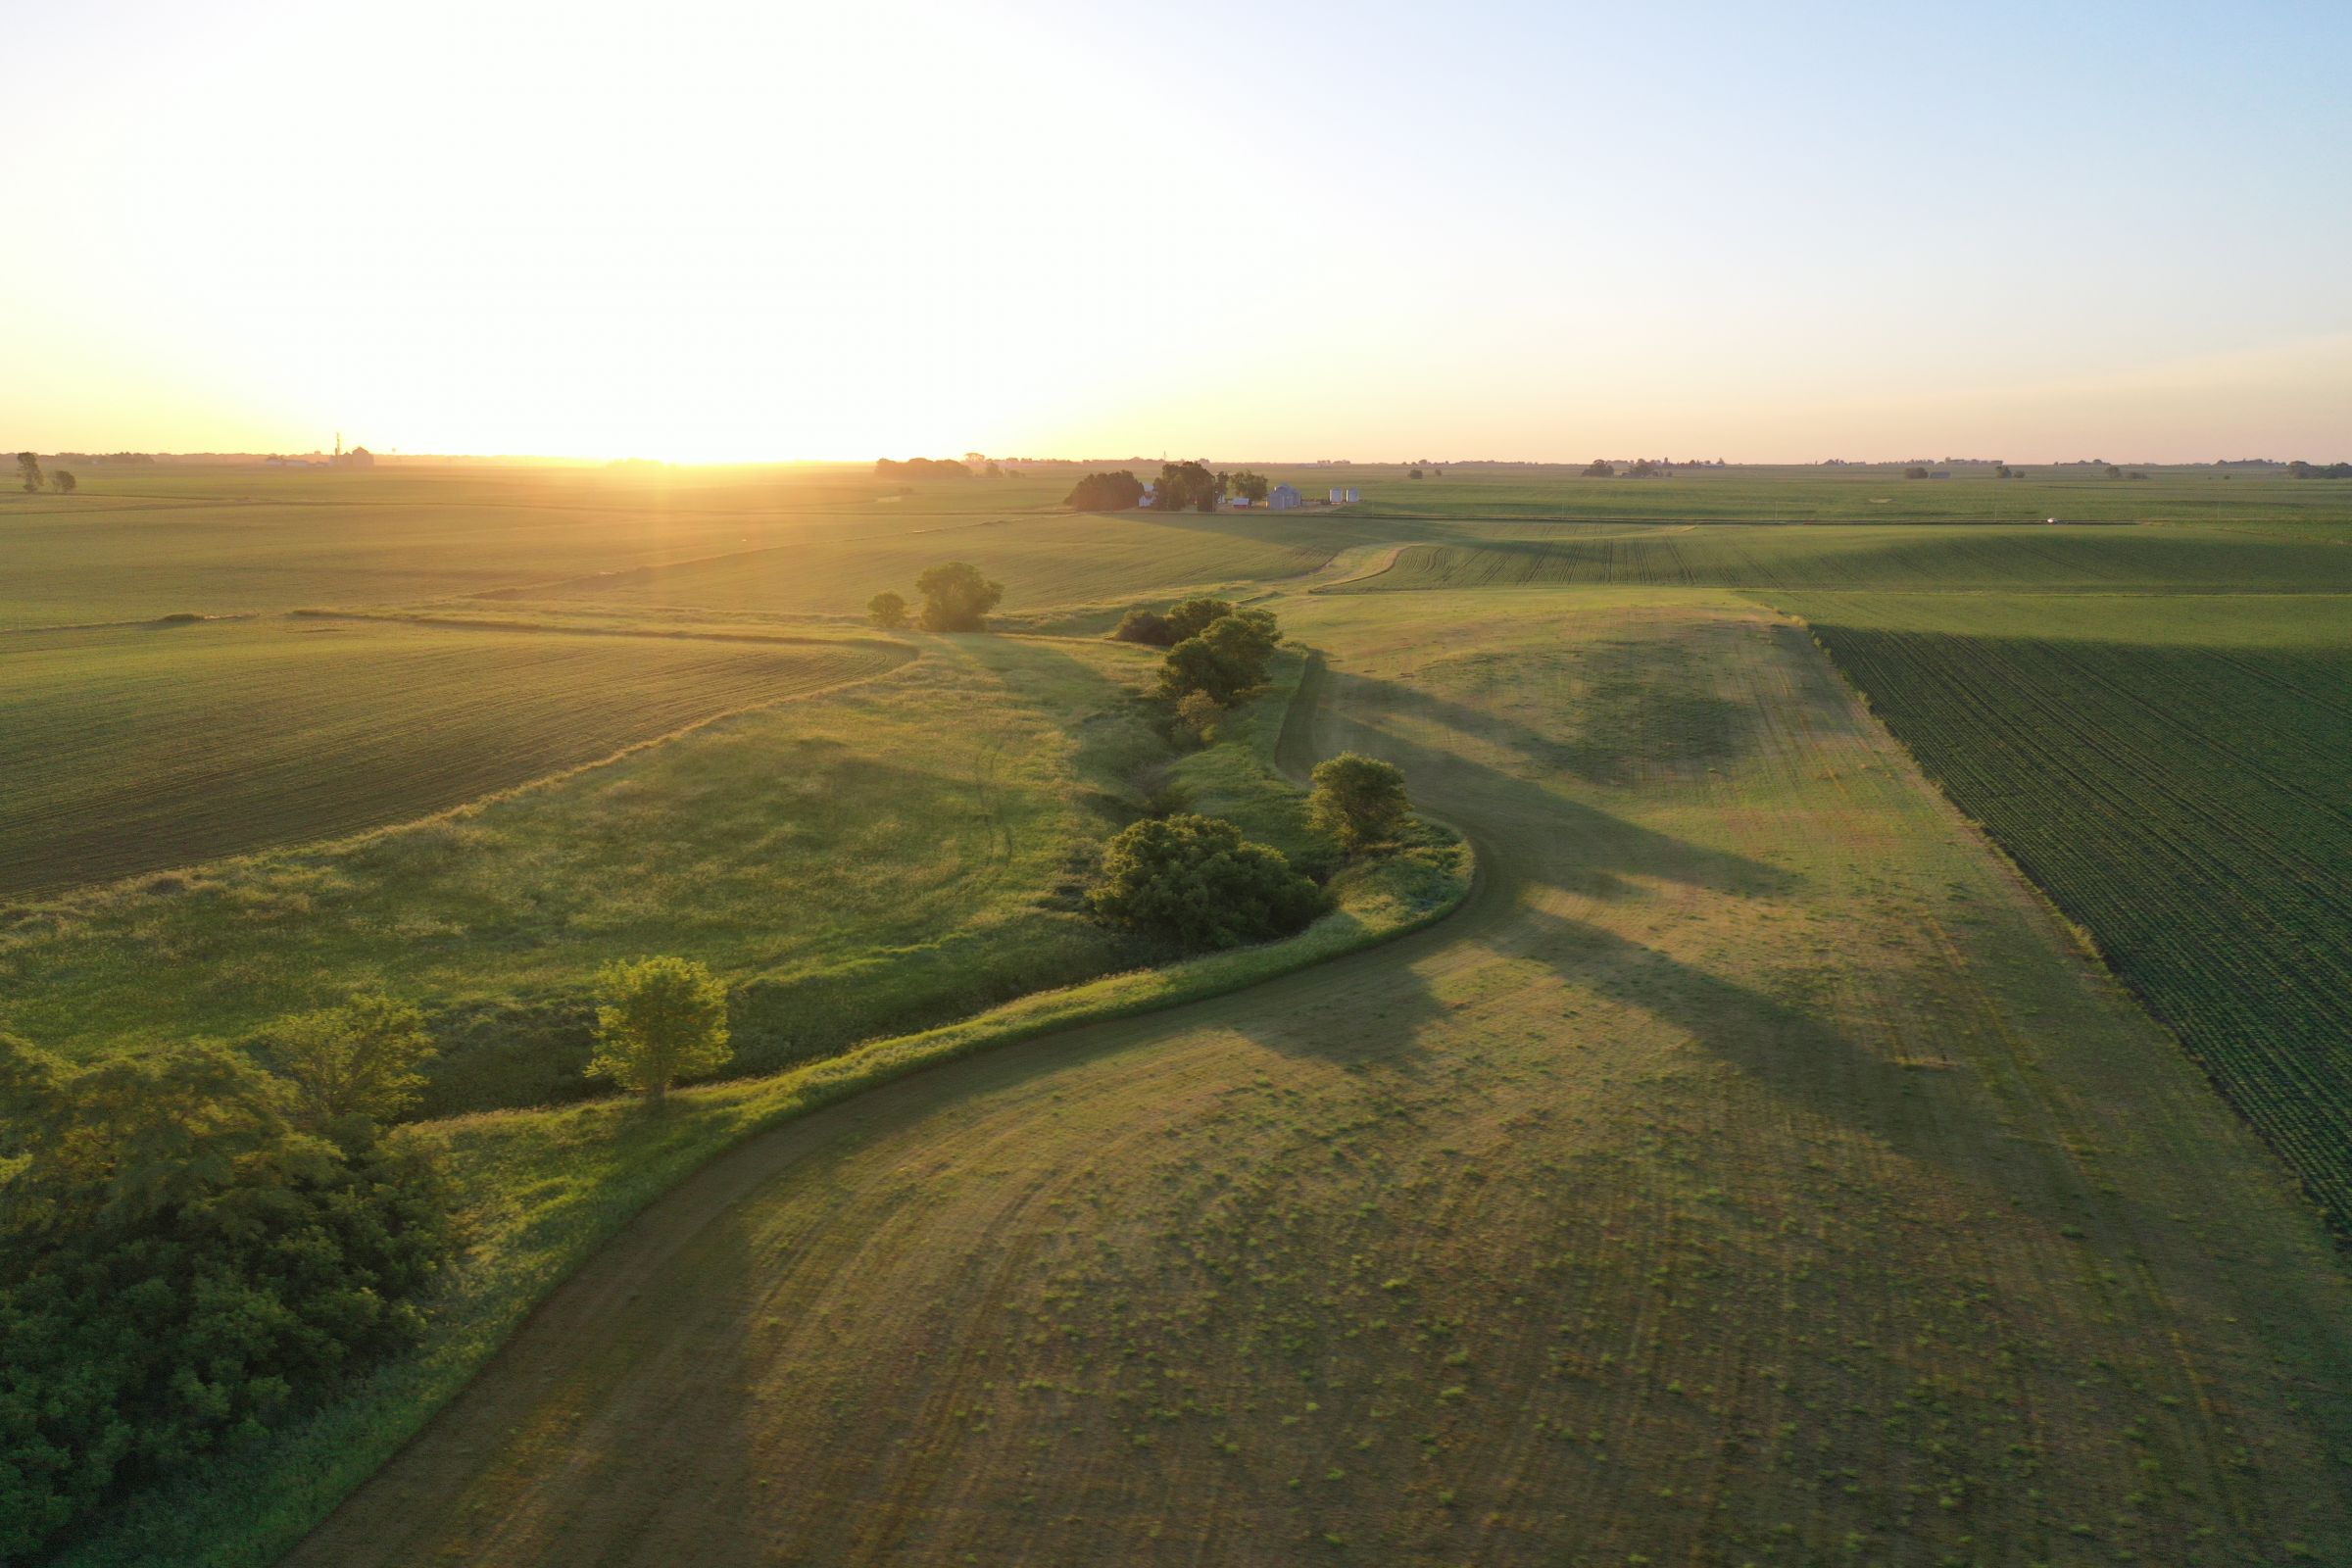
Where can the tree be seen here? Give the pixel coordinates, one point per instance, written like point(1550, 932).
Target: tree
point(1120, 491)
point(1914, 472)
point(2114, 472)
point(1252, 487)
point(181, 1267)
point(1642, 469)
point(28, 469)
point(887, 610)
point(1191, 617)
point(1413, 473)
point(1195, 880)
point(956, 597)
point(1144, 626)
point(359, 1060)
point(1188, 484)
point(1226, 659)
point(1599, 468)
point(1359, 800)
point(62, 482)
point(2002, 471)
point(658, 1021)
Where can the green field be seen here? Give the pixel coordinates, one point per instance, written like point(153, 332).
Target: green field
point(850, 867)
point(1754, 1169)
point(143, 748)
point(2089, 560)
point(2172, 773)
point(1751, 1172)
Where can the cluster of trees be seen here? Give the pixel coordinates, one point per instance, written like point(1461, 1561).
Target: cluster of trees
point(1189, 487)
point(192, 1245)
point(28, 472)
point(922, 468)
point(1197, 881)
point(1214, 650)
point(1181, 487)
point(2312, 470)
point(955, 598)
point(1107, 492)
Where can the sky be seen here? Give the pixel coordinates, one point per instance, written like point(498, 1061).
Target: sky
point(1061, 227)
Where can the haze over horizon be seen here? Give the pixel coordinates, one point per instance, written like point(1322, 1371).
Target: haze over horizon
point(1026, 226)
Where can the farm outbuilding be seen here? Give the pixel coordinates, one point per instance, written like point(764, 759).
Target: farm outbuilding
point(1343, 495)
point(1284, 498)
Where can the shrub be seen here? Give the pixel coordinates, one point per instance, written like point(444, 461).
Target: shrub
point(1196, 717)
point(1144, 626)
point(887, 610)
point(956, 597)
point(1359, 800)
point(658, 1021)
point(1195, 880)
point(181, 1266)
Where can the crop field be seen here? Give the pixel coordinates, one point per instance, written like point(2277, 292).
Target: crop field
point(847, 868)
point(134, 750)
point(2172, 773)
point(2041, 558)
point(1751, 1173)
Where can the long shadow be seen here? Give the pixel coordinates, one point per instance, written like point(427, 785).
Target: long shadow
point(1550, 835)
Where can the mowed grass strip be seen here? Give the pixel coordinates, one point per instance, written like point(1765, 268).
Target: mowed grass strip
point(1750, 1172)
point(133, 749)
point(2088, 560)
point(2172, 771)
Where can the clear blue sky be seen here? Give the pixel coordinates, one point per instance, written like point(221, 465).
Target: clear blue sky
point(1035, 227)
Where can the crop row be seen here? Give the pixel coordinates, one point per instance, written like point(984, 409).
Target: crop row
point(2183, 804)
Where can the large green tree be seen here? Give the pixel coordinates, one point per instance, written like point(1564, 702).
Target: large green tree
point(1359, 800)
point(1197, 881)
point(1225, 659)
point(28, 469)
point(956, 597)
point(183, 1264)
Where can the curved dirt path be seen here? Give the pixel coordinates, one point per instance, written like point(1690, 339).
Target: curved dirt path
point(1750, 1126)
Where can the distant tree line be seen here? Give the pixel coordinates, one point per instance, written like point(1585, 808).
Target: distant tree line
point(2312, 471)
point(194, 1246)
point(920, 469)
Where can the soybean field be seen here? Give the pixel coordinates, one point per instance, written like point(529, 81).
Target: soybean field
point(2171, 772)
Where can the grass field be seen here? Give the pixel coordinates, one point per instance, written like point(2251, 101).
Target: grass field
point(1753, 1170)
point(2173, 773)
point(852, 864)
point(1750, 1173)
point(2041, 559)
point(138, 749)
point(541, 1188)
